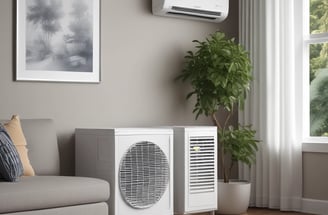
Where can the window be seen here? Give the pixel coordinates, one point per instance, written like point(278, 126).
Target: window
point(316, 61)
point(311, 39)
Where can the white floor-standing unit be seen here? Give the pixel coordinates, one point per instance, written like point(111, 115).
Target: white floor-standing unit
point(195, 169)
point(137, 162)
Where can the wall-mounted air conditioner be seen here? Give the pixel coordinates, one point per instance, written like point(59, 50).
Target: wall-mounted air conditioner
point(207, 10)
point(195, 169)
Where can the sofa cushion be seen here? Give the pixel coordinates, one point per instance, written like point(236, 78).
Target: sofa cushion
point(40, 192)
point(100, 208)
point(16, 133)
point(42, 143)
point(11, 167)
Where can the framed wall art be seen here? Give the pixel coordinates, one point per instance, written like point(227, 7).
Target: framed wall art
point(58, 40)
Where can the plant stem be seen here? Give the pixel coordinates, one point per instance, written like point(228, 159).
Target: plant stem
point(230, 168)
point(221, 149)
point(227, 171)
point(216, 122)
point(228, 118)
point(225, 175)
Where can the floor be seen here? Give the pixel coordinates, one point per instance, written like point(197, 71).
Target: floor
point(260, 211)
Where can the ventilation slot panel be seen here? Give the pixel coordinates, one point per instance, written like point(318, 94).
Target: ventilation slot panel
point(202, 164)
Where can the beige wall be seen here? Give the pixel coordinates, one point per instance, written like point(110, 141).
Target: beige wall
point(140, 56)
point(315, 175)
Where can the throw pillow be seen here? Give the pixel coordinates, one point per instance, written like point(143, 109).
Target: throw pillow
point(11, 167)
point(15, 132)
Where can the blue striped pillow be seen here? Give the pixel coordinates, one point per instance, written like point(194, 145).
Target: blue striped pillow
point(11, 167)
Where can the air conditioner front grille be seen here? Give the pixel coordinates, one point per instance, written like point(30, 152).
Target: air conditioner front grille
point(202, 164)
point(143, 175)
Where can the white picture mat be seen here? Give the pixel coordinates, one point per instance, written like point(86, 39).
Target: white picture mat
point(57, 76)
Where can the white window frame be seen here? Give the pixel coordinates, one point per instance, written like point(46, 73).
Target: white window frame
point(302, 41)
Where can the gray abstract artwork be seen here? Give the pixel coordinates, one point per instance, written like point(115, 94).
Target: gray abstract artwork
point(59, 35)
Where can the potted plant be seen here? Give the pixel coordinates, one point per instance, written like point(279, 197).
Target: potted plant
point(220, 74)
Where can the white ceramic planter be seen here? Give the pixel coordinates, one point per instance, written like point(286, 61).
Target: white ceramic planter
point(233, 197)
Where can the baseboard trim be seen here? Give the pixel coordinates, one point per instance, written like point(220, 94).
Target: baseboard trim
point(315, 206)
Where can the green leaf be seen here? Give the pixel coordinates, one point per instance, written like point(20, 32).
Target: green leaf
point(190, 94)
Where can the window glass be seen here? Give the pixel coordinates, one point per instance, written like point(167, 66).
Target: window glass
point(318, 16)
point(318, 89)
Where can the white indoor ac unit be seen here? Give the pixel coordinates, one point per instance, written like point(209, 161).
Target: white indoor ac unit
point(138, 164)
point(207, 10)
point(195, 169)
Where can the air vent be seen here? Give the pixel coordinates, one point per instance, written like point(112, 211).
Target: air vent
point(202, 164)
point(190, 15)
point(143, 175)
point(198, 11)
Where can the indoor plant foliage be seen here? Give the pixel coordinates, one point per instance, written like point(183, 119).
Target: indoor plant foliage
point(220, 74)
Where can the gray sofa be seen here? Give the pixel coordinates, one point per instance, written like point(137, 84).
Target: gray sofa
point(48, 193)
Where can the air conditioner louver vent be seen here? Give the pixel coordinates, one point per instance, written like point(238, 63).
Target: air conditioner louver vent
point(191, 15)
point(198, 11)
point(202, 164)
point(143, 175)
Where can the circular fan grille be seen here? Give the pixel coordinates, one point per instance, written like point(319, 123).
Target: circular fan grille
point(143, 175)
